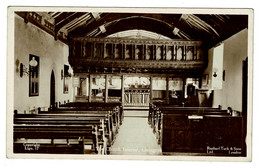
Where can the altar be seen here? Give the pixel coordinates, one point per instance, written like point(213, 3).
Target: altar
point(136, 91)
point(137, 97)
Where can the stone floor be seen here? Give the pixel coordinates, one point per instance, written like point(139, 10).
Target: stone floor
point(135, 137)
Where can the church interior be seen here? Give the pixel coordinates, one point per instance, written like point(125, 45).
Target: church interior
point(115, 83)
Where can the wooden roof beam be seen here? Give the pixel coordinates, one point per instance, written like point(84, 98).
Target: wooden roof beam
point(67, 20)
point(109, 18)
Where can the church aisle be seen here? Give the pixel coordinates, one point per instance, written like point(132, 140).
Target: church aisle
point(135, 137)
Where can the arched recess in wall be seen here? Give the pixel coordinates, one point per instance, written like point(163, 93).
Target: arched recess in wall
point(52, 89)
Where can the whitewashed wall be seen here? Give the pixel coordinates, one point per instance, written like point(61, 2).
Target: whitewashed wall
point(235, 51)
point(53, 54)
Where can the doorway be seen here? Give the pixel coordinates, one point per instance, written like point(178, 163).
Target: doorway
point(52, 91)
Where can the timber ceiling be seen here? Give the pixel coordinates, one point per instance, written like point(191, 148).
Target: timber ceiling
point(209, 28)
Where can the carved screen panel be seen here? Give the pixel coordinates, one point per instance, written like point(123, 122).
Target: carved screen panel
point(159, 52)
point(159, 83)
point(88, 50)
point(108, 51)
point(98, 50)
point(139, 54)
point(118, 51)
point(78, 51)
point(128, 52)
point(114, 88)
point(180, 50)
point(98, 88)
point(149, 52)
point(169, 53)
point(190, 53)
point(159, 87)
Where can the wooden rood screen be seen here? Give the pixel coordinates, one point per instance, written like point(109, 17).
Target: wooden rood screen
point(197, 130)
point(66, 130)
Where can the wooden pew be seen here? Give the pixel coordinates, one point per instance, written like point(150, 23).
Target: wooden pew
point(85, 134)
point(118, 110)
point(95, 106)
point(167, 109)
point(188, 111)
point(204, 135)
point(114, 117)
point(196, 130)
point(96, 122)
point(109, 123)
point(83, 114)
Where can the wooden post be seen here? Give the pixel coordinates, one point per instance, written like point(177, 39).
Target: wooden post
point(106, 88)
point(113, 51)
point(104, 50)
point(172, 55)
point(122, 89)
point(164, 52)
point(200, 82)
point(167, 89)
point(83, 144)
point(175, 52)
point(185, 52)
point(183, 89)
point(133, 53)
point(93, 50)
point(90, 88)
point(151, 89)
point(124, 49)
point(195, 53)
point(83, 45)
point(154, 52)
point(144, 52)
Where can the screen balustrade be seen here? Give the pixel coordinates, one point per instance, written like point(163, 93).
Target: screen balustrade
point(114, 55)
point(136, 49)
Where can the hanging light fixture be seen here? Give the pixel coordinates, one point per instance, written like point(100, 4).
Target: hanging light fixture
point(33, 62)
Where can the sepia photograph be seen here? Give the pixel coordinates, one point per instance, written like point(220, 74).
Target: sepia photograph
point(124, 83)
